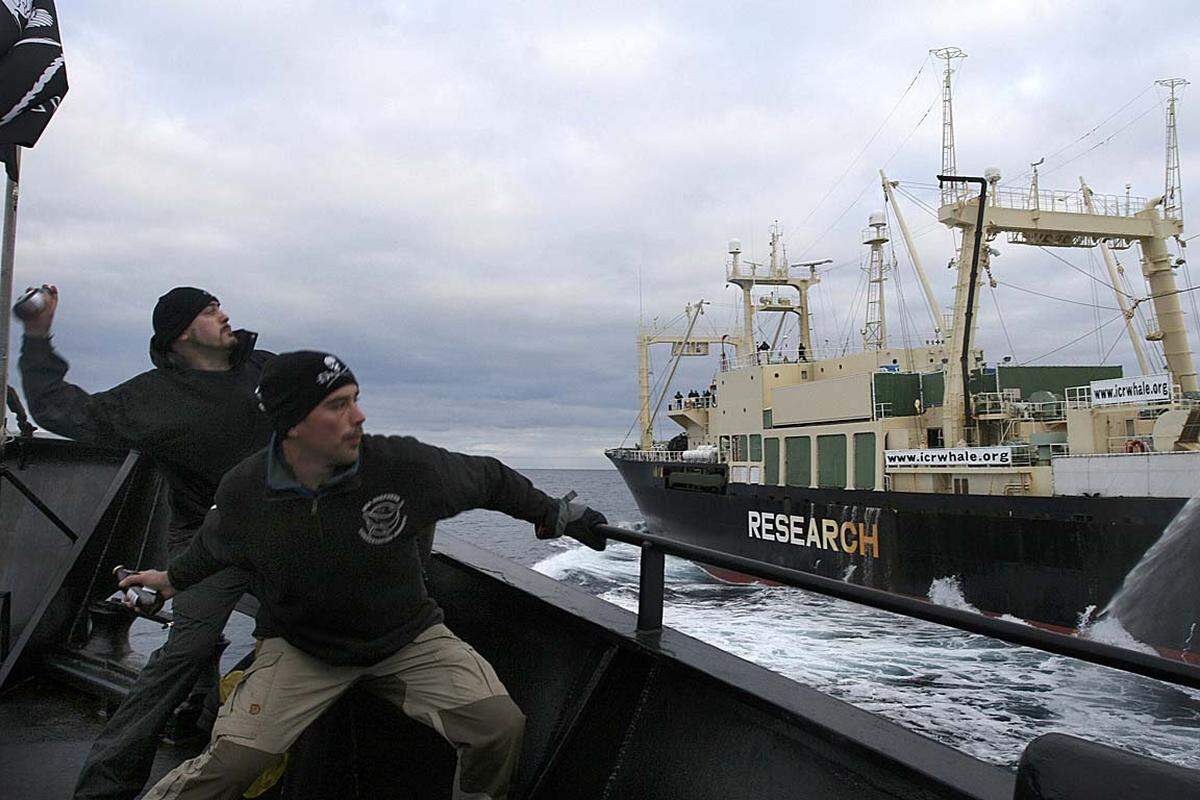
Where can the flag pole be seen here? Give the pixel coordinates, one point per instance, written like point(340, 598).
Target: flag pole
point(7, 252)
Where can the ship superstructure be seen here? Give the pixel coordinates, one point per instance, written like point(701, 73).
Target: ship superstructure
point(1037, 487)
point(875, 419)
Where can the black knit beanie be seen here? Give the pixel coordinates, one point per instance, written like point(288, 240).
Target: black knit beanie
point(174, 312)
point(293, 384)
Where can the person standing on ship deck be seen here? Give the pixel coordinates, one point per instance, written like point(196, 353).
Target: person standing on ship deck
point(324, 519)
point(196, 415)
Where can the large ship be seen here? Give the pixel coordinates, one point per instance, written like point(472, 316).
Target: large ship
point(1031, 489)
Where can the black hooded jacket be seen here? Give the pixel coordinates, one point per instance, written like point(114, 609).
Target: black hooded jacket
point(195, 424)
point(339, 569)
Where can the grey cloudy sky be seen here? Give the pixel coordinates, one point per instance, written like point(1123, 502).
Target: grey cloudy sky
point(462, 199)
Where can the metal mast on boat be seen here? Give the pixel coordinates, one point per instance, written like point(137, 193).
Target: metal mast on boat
point(874, 332)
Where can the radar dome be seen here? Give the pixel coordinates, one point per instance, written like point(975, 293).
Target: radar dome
point(992, 174)
point(735, 245)
point(877, 218)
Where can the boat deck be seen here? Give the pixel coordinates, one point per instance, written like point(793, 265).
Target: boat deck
point(46, 730)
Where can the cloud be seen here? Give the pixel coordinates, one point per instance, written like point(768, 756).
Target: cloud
point(464, 201)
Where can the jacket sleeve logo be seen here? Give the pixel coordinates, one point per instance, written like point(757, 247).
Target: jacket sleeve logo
point(382, 520)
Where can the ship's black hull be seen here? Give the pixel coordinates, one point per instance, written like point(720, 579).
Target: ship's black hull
point(1043, 559)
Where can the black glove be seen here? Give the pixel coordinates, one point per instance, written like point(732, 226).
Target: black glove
point(575, 520)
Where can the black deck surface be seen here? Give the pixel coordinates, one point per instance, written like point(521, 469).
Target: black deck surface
point(46, 731)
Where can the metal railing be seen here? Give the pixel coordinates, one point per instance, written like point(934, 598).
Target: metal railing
point(1081, 397)
point(762, 358)
point(633, 454)
point(655, 548)
point(1071, 202)
point(1002, 404)
point(678, 404)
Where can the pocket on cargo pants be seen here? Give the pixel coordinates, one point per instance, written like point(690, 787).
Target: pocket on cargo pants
point(243, 714)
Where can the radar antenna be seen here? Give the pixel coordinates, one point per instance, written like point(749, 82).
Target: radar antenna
point(950, 191)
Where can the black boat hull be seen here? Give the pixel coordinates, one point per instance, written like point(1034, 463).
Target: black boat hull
point(1043, 559)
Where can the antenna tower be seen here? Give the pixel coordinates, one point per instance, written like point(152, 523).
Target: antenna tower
point(949, 167)
point(1173, 194)
point(874, 332)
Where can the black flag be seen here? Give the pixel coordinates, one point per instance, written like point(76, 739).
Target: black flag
point(33, 77)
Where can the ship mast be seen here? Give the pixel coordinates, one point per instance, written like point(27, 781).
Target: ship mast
point(1173, 193)
point(748, 274)
point(950, 193)
point(874, 332)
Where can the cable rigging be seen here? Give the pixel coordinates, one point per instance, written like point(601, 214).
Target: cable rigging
point(870, 141)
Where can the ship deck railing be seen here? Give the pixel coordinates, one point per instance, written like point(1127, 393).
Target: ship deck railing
point(1003, 405)
point(651, 585)
point(762, 358)
point(1130, 444)
point(681, 404)
point(1070, 202)
point(1081, 397)
point(633, 454)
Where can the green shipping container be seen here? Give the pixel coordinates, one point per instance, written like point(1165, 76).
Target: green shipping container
point(864, 461)
point(932, 384)
point(831, 461)
point(798, 454)
point(1052, 378)
point(898, 393)
point(771, 463)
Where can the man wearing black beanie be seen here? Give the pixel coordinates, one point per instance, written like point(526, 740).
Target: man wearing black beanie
point(196, 415)
point(325, 518)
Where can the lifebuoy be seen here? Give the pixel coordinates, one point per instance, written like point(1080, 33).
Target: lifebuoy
point(1135, 446)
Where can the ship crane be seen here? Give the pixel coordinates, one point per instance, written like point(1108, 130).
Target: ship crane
point(1068, 219)
point(687, 344)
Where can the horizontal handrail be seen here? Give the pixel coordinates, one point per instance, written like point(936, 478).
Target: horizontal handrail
point(650, 605)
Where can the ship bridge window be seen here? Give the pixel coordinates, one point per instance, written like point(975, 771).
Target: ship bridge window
point(740, 448)
point(961, 486)
point(756, 447)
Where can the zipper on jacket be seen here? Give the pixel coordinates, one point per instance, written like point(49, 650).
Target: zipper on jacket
point(316, 518)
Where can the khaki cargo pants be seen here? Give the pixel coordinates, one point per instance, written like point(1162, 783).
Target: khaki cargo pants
point(437, 679)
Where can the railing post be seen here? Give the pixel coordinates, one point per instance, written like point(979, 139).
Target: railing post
point(650, 589)
point(5, 624)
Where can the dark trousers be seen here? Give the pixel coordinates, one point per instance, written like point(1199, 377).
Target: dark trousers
point(121, 758)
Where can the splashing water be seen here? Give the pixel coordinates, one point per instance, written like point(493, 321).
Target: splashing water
point(976, 694)
point(948, 592)
point(1159, 602)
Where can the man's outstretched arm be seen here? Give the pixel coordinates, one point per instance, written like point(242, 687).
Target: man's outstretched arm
point(55, 404)
point(469, 482)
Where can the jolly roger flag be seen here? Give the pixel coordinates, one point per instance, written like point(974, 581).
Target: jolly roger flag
point(33, 77)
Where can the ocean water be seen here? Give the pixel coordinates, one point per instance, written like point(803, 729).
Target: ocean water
point(976, 694)
point(984, 697)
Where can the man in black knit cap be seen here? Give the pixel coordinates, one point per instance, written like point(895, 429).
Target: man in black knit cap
point(196, 415)
point(324, 518)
